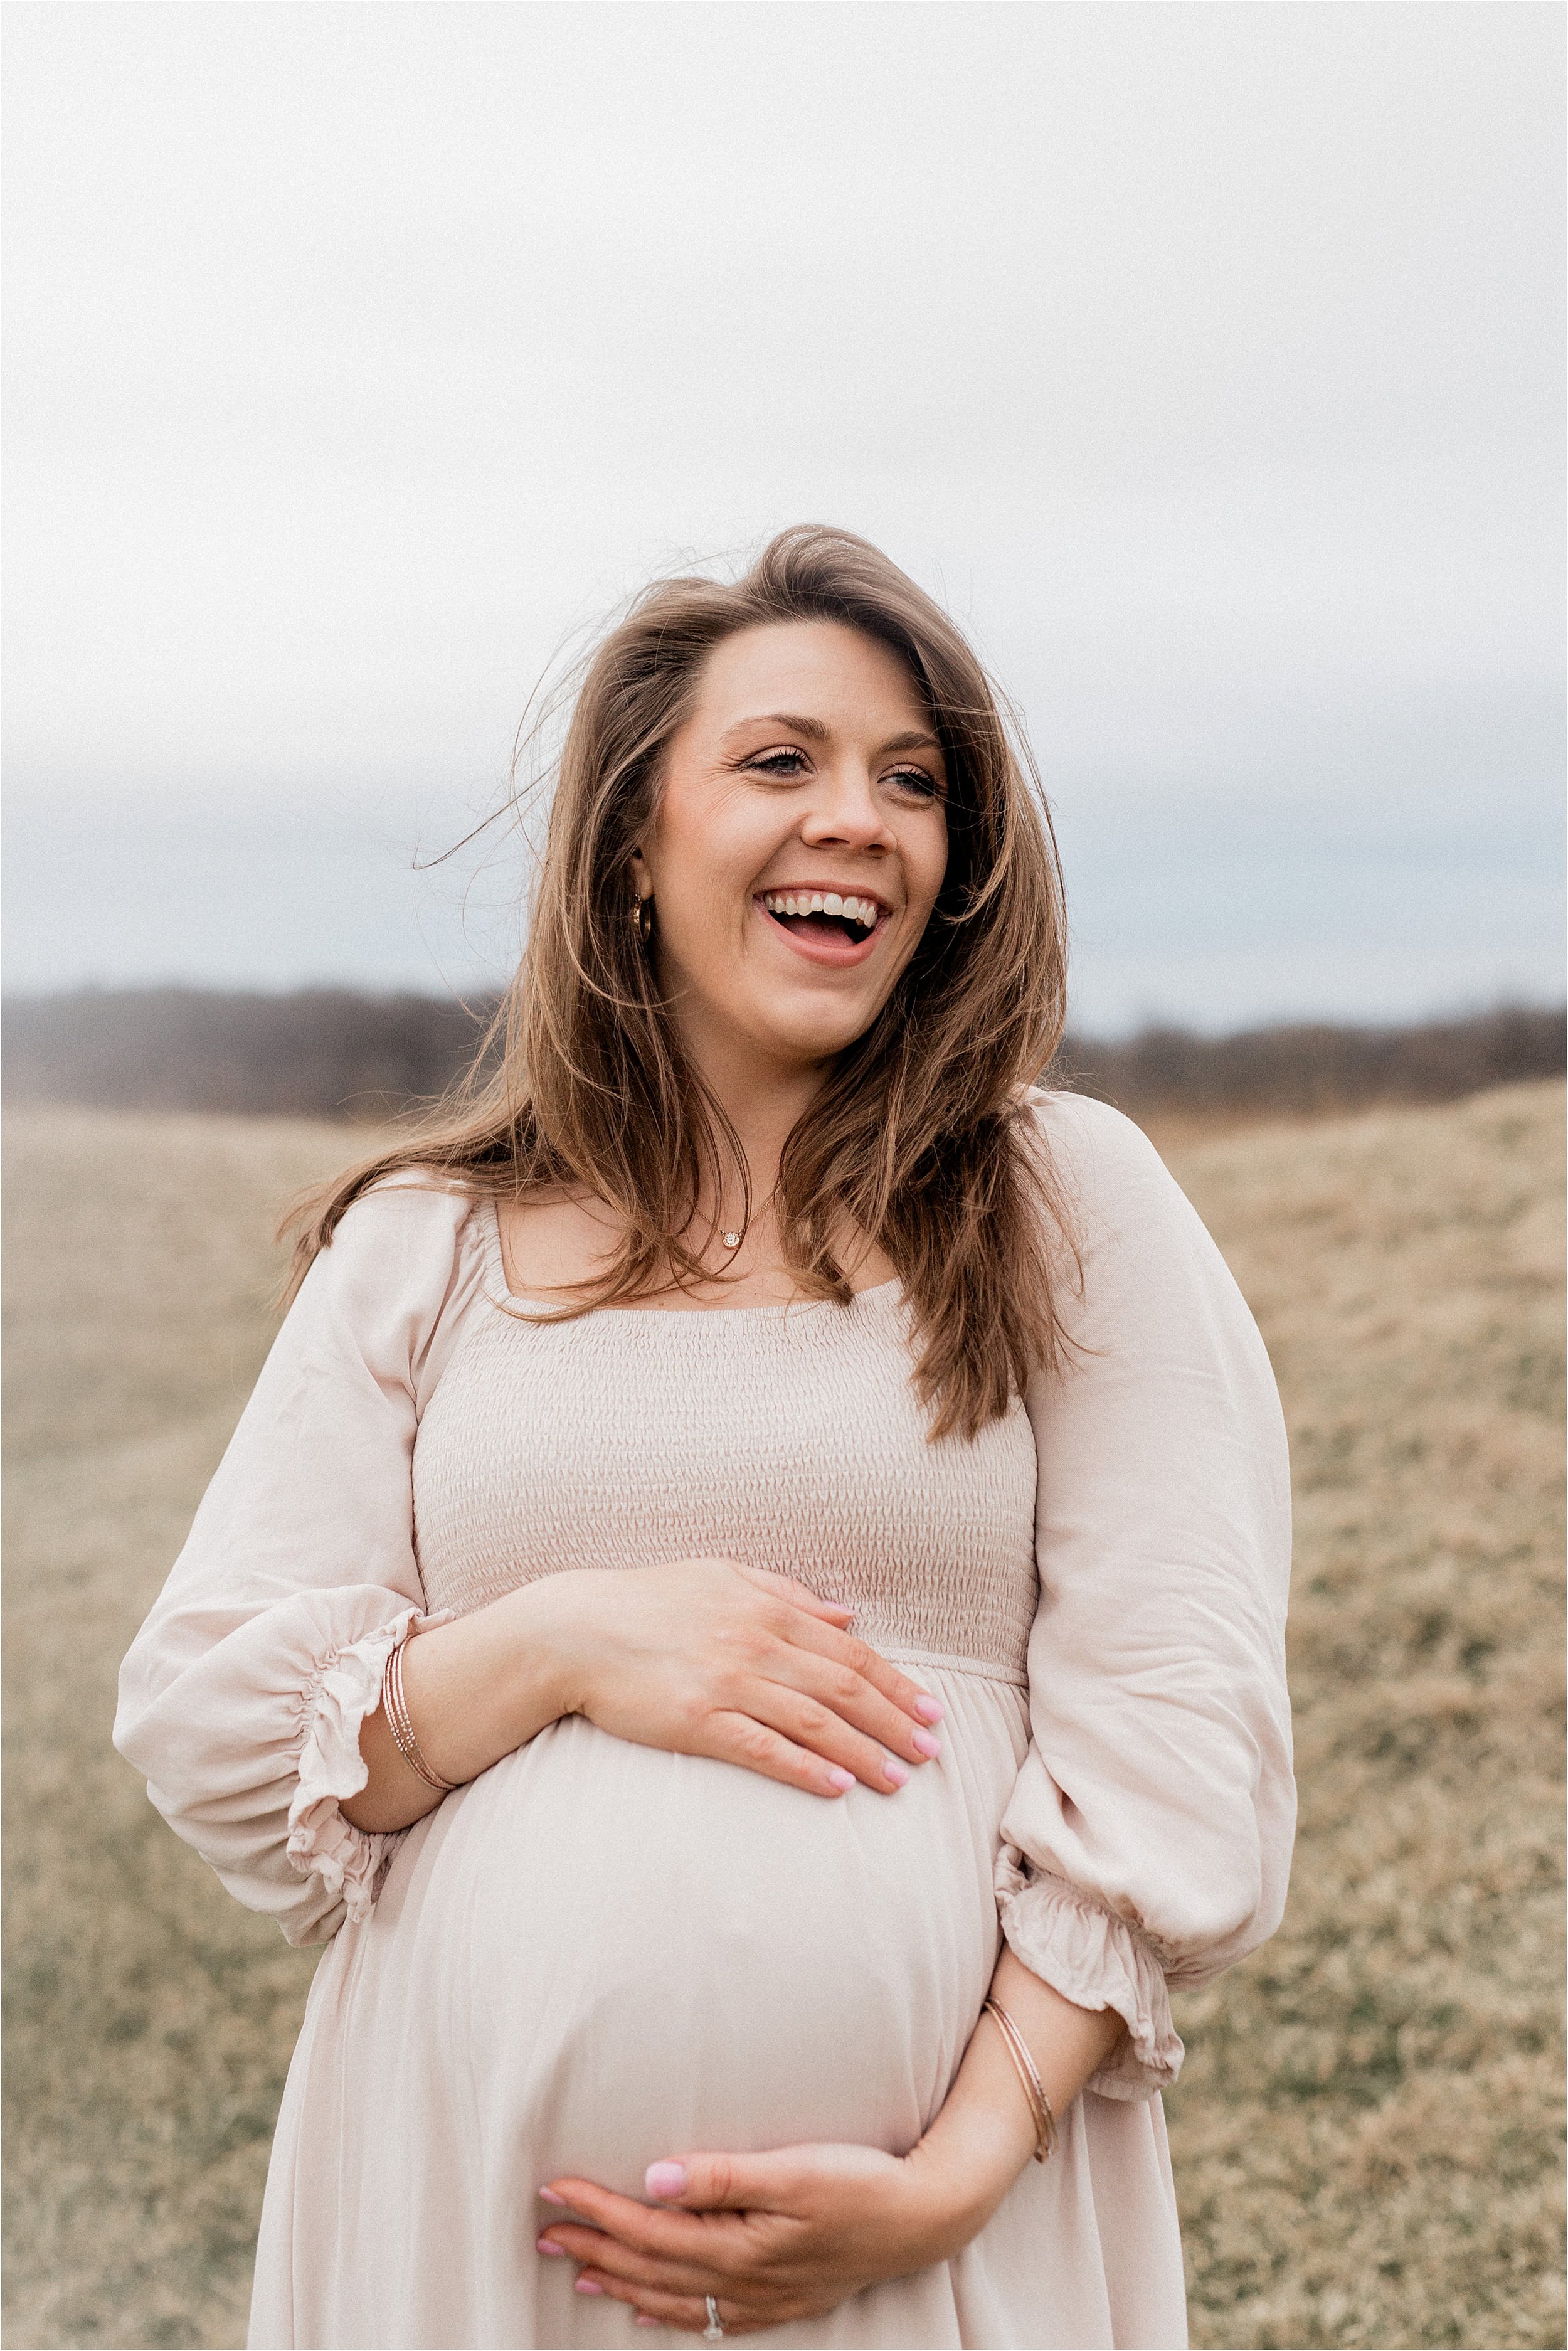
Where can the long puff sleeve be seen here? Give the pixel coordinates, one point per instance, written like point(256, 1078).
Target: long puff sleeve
point(1148, 1839)
point(241, 1698)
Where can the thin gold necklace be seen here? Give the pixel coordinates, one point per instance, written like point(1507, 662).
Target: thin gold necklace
point(732, 1240)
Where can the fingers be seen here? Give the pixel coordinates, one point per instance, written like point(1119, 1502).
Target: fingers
point(823, 1694)
point(687, 2313)
point(821, 1697)
point(798, 1596)
point(811, 1726)
point(719, 2224)
point(768, 2183)
point(664, 2289)
point(843, 1649)
point(756, 1746)
point(840, 1647)
point(646, 2227)
point(606, 2258)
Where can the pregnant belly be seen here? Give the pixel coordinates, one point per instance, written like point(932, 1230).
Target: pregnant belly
point(635, 1953)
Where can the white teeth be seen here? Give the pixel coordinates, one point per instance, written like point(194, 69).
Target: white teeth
point(863, 910)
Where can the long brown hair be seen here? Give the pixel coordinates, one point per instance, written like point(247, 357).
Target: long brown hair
point(919, 1137)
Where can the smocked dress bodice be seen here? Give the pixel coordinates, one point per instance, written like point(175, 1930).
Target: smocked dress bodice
point(788, 1438)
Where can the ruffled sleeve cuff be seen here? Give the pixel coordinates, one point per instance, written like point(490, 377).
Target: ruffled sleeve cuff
point(1097, 1961)
point(350, 1862)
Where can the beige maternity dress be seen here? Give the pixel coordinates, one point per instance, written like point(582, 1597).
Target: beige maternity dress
point(598, 1954)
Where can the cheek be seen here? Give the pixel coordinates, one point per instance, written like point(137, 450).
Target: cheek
point(704, 848)
point(929, 862)
point(704, 920)
point(695, 935)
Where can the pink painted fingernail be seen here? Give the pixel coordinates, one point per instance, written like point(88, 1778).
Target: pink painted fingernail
point(549, 2196)
point(893, 1770)
point(923, 1744)
point(586, 2285)
point(842, 1780)
point(543, 2245)
point(665, 2179)
point(929, 1710)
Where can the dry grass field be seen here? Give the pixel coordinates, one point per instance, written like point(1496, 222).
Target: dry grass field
point(1366, 2134)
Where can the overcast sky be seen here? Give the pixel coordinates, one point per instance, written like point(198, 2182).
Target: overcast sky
point(1207, 360)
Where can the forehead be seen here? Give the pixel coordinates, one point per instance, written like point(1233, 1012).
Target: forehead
point(835, 671)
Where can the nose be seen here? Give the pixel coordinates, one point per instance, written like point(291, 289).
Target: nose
point(844, 812)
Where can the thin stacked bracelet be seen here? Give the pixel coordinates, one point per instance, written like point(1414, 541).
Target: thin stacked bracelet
point(1028, 2075)
point(408, 1746)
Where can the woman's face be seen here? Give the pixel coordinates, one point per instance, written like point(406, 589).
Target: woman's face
point(799, 843)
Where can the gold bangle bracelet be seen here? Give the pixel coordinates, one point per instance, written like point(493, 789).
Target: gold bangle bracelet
point(1028, 2075)
point(408, 1746)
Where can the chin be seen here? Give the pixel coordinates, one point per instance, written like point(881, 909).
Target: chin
point(810, 1045)
point(804, 1025)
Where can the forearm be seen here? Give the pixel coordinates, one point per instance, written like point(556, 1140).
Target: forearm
point(475, 1690)
point(984, 2134)
point(700, 1656)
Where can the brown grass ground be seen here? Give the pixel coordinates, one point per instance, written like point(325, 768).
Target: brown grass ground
point(1366, 2134)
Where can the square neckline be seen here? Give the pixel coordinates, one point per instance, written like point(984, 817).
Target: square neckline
point(496, 1266)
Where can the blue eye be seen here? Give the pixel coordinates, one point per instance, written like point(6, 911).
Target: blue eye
point(916, 779)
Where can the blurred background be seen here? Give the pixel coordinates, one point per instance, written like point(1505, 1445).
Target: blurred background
point(1206, 363)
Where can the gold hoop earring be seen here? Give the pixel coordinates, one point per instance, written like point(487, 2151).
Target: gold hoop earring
point(643, 919)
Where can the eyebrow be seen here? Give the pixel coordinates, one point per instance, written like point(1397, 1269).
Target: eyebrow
point(814, 731)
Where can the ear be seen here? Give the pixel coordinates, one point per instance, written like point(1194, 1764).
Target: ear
point(640, 879)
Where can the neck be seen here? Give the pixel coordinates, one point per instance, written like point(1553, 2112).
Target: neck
point(763, 1100)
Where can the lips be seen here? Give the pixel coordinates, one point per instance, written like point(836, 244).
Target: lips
point(830, 937)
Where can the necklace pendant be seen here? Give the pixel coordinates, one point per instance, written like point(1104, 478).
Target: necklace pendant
point(730, 1240)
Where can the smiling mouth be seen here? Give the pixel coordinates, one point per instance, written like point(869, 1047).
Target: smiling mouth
point(823, 914)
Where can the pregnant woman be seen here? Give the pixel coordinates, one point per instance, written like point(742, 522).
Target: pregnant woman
point(748, 1601)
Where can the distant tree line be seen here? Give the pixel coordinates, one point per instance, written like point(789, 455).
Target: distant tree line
point(336, 1052)
point(1310, 1069)
point(315, 1052)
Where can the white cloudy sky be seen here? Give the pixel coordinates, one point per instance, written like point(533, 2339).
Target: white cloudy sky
point(1205, 359)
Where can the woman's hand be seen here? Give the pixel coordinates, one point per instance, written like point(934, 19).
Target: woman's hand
point(791, 2233)
point(776, 2237)
point(706, 1657)
point(702, 1656)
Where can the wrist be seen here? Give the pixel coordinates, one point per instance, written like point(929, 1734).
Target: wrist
point(965, 2167)
point(547, 1657)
